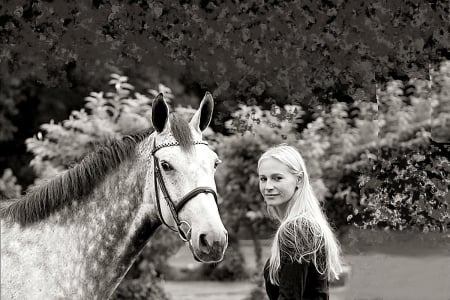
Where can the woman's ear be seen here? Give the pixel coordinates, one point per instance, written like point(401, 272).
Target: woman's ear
point(299, 180)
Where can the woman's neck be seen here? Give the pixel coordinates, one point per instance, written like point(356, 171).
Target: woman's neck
point(281, 210)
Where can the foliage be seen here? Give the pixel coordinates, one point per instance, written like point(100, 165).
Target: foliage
point(147, 287)
point(8, 186)
point(8, 109)
point(402, 179)
point(108, 116)
point(52, 54)
point(404, 186)
point(440, 99)
point(155, 255)
point(243, 50)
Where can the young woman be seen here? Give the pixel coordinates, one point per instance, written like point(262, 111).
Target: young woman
point(305, 253)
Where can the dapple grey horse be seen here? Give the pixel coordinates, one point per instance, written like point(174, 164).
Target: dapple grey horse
point(76, 235)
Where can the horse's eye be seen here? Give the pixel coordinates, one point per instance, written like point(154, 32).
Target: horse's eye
point(166, 166)
point(218, 162)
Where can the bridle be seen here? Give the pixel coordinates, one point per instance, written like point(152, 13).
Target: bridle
point(185, 235)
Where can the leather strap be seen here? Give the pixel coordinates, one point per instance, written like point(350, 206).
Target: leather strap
point(158, 178)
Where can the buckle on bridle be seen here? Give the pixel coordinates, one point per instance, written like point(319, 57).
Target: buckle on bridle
point(184, 235)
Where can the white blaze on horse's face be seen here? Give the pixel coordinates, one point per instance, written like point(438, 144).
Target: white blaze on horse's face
point(182, 172)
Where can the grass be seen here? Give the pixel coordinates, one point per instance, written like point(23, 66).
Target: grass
point(389, 277)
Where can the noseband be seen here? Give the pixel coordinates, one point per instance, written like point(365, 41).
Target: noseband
point(185, 235)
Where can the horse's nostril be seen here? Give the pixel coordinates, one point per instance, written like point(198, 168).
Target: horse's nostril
point(203, 240)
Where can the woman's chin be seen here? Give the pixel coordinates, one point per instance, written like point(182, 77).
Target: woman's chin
point(275, 201)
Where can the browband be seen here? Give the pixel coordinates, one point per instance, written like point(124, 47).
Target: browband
point(156, 148)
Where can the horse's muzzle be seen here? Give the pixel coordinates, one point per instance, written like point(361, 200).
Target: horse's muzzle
point(212, 254)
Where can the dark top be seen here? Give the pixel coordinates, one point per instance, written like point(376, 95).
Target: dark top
point(298, 281)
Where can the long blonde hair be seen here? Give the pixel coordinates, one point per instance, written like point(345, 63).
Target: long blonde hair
point(304, 233)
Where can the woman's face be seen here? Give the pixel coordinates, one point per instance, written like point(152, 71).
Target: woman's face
point(276, 183)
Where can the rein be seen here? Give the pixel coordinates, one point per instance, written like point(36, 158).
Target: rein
point(185, 234)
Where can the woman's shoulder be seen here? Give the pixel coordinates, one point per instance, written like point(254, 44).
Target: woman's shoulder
point(302, 220)
point(300, 237)
point(301, 227)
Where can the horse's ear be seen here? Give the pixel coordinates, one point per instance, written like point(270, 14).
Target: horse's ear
point(201, 119)
point(160, 113)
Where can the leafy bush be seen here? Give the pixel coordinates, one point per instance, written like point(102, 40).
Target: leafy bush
point(402, 179)
point(106, 116)
point(403, 187)
point(8, 186)
point(440, 99)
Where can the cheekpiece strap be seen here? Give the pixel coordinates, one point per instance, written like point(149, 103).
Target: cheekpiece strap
point(163, 145)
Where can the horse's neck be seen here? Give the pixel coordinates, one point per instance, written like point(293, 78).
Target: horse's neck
point(114, 225)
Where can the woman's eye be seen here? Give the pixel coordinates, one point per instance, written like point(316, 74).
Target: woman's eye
point(166, 166)
point(262, 179)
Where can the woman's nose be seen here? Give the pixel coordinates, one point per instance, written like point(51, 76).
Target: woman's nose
point(269, 185)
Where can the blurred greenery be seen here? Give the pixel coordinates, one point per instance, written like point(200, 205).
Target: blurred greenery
point(8, 185)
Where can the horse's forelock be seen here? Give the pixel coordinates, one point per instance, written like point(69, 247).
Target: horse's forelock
point(181, 131)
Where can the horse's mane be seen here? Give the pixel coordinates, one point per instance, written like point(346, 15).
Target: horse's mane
point(75, 183)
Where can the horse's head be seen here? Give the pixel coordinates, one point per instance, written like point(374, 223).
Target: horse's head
point(182, 180)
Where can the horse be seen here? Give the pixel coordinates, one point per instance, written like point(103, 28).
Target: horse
point(76, 236)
